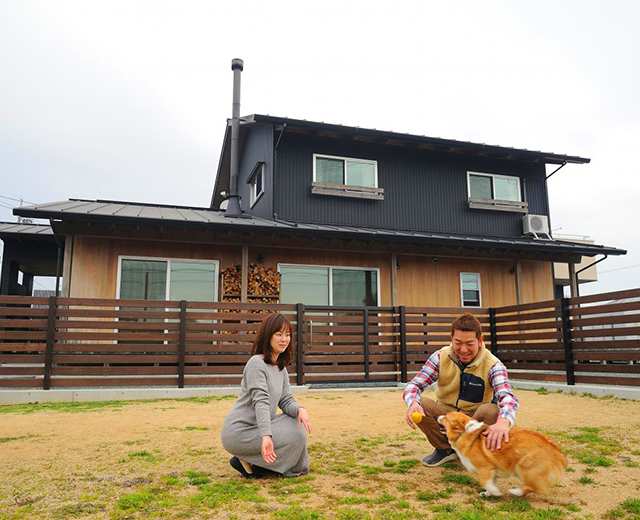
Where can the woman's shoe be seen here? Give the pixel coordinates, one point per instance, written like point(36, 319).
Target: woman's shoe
point(237, 465)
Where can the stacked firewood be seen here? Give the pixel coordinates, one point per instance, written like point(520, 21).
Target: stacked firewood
point(263, 284)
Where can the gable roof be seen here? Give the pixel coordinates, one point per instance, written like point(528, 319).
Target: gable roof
point(134, 213)
point(380, 137)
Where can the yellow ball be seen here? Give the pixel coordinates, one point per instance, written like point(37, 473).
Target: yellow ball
point(417, 417)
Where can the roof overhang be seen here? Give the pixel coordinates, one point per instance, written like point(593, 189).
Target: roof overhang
point(79, 215)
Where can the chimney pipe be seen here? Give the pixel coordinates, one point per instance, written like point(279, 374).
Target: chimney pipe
point(233, 205)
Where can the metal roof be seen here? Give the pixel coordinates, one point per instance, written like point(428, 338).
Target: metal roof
point(24, 230)
point(438, 143)
point(193, 217)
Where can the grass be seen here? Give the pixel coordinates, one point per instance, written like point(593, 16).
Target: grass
point(101, 405)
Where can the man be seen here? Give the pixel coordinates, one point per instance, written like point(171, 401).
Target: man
point(469, 379)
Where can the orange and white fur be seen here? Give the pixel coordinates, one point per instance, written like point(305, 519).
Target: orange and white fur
point(535, 458)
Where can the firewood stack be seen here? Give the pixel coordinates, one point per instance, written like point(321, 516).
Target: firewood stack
point(263, 284)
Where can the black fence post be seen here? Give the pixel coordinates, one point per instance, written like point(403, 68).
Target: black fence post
point(403, 343)
point(299, 340)
point(493, 331)
point(182, 346)
point(567, 339)
point(365, 320)
point(48, 353)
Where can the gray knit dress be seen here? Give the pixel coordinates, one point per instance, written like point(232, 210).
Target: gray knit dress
point(264, 388)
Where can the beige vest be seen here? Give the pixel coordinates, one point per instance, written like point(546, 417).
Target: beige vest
point(465, 389)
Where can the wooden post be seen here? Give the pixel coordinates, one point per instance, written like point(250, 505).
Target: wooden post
point(573, 281)
point(244, 274)
point(493, 331)
point(182, 346)
point(403, 343)
point(48, 355)
point(365, 320)
point(568, 341)
point(518, 279)
point(299, 340)
point(394, 279)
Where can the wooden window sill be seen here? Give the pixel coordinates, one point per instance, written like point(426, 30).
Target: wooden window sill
point(499, 205)
point(343, 190)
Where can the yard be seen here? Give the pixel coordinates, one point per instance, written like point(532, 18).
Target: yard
point(163, 459)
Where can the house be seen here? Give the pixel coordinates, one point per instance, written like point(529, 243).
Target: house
point(349, 217)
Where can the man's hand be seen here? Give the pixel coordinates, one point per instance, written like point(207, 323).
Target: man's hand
point(497, 434)
point(268, 453)
point(415, 407)
point(303, 418)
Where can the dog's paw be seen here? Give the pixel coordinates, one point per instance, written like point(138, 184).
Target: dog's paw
point(516, 491)
point(491, 494)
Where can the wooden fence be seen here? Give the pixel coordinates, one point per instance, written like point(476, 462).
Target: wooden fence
point(71, 342)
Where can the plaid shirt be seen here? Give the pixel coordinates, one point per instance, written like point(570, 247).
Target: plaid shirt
point(498, 379)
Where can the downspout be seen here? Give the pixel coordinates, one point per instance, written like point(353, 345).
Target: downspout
point(233, 206)
point(59, 258)
point(592, 264)
point(273, 173)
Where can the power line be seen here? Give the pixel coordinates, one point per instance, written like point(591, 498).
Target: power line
point(603, 210)
point(620, 269)
point(17, 200)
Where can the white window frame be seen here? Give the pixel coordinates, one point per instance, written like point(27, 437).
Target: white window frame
point(494, 176)
point(331, 268)
point(346, 173)
point(479, 292)
point(255, 197)
point(168, 279)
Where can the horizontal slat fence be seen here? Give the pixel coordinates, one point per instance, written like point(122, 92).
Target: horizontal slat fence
point(73, 342)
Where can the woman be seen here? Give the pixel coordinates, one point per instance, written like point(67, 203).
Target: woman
point(258, 438)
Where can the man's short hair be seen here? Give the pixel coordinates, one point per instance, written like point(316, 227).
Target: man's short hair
point(467, 323)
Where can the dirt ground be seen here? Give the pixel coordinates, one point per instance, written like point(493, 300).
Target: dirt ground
point(52, 462)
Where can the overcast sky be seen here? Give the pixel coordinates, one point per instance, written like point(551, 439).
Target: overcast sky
point(128, 100)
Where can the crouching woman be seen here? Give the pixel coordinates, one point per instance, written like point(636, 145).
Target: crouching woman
point(258, 438)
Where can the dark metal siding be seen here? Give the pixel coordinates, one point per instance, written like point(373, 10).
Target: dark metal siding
point(258, 147)
point(423, 190)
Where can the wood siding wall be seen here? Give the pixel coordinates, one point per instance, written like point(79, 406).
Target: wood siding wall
point(420, 281)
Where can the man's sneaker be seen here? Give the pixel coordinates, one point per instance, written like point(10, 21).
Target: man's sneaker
point(439, 457)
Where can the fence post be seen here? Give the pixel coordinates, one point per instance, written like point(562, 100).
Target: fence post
point(403, 344)
point(365, 319)
point(48, 353)
point(182, 346)
point(493, 331)
point(299, 340)
point(568, 341)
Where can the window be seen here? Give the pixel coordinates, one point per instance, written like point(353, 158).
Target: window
point(343, 170)
point(320, 285)
point(494, 187)
point(256, 180)
point(470, 290)
point(168, 279)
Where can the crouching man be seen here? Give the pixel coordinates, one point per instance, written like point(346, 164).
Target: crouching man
point(470, 380)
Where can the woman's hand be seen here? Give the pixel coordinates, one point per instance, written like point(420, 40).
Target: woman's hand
point(268, 453)
point(303, 418)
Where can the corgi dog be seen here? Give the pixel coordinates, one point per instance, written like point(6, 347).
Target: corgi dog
point(533, 457)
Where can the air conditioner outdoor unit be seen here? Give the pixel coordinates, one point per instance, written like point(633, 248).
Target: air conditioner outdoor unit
point(536, 225)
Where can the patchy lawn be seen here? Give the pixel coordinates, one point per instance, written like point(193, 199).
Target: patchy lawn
point(163, 459)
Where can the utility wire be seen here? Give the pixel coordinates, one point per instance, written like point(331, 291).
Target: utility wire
point(17, 200)
point(602, 211)
point(620, 269)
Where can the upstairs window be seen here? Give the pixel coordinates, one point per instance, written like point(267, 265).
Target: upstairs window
point(343, 170)
point(494, 187)
point(470, 290)
point(492, 191)
point(256, 181)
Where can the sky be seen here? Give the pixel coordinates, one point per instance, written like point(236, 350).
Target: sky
point(127, 100)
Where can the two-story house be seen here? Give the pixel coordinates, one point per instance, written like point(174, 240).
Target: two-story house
point(349, 217)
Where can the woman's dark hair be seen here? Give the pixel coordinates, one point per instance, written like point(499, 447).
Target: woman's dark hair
point(262, 344)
